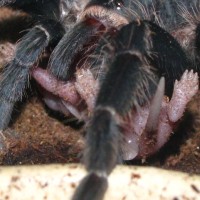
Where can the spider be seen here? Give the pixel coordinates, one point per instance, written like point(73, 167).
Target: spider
point(113, 62)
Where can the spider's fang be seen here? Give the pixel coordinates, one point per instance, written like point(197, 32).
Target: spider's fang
point(155, 106)
point(149, 135)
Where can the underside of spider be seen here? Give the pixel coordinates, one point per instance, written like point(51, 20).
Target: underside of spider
point(114, 65)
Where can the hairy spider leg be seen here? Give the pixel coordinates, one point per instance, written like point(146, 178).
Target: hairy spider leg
point(141, 58)
point(72, 43)
point(97, 18)
point(15, 75)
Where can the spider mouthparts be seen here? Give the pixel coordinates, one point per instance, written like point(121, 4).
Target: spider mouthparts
point(149, 135)
point(155, 107)
point(146, 130)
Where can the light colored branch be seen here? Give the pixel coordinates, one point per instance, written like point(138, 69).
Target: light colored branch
point(57, 182)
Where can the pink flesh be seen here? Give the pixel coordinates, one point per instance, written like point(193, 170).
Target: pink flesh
point(85, 87)
point(170, 113)
point(61, 96)
point(184, 90)
point(66, 97)
point(64, 90)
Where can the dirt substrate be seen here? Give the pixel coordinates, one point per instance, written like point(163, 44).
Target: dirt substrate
point(37, 135)
point(40, 136)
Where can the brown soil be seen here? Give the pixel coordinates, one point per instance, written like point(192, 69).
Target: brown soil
point(37, 135)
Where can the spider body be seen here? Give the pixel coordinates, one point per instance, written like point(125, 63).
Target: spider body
point(130, 61)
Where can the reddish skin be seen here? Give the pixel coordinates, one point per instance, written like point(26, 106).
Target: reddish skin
point(64, 90)
point(85, 88)
point(135, 144)
point(71, 96)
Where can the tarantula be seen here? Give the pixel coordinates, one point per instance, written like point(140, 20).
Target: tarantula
point(112, 61)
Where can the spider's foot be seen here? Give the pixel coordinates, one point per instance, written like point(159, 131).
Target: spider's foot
point(188, 85)
point(183, 92)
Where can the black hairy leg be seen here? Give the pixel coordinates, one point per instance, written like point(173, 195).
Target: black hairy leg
point(70, 45)
point(15, 76)
point(131, 81)
point(82, 39)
